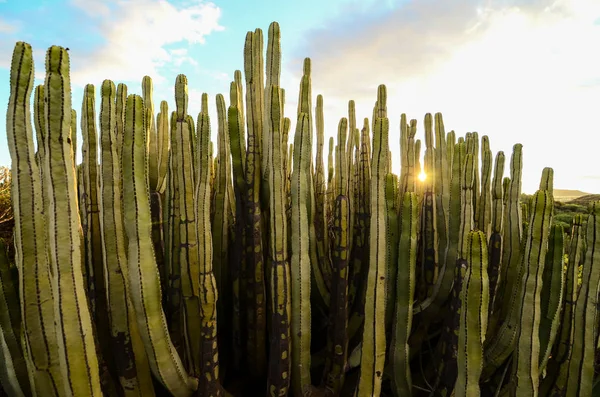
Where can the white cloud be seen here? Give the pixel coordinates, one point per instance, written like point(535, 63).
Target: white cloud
point(516, 71)
point(7, 27)
point(136, 33)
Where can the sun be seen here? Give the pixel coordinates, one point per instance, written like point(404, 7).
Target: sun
point(422, 176)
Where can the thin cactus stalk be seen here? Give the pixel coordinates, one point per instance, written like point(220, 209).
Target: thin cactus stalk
point(473, 317)
point(209, 376)
point(147, 95)
point(527, 351)
point(256, 344)
point(405, 288)
point(221, 225)
point(581, 366)
point(338, 336)
point(300, 260)
point(496, 228)
point(558, 365)
point(280, 350)
point(553, 288)
point(373, 346)
point(13, 374)
point(235, 122)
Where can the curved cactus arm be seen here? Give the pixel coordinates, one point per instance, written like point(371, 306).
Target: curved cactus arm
point(73, 322)
point(553, 286)
point(130, 358)
point(405, 288)
point(473, 317)
point(279, 355)
point(527, 351)
point(209, 377)
point(373, 346)
point(580, 375)
point(300, 260)
point(145, 293)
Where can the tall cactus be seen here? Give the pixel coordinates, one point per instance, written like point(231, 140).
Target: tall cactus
point(373, 345)
point(31, 257)
point(74, 322)
point(280, 346)
point(125, 341)
point(165, 363)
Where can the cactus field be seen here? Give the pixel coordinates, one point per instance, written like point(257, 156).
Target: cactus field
point(263, 263)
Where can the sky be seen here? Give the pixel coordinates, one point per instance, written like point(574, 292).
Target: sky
point(520, 71)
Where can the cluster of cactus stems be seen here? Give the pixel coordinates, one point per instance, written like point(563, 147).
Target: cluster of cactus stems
point(162, 266)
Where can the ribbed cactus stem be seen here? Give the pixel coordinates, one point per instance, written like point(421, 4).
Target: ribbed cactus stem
point(526, 358)
point(145, 294)
point(485, 199)
point(13, 373)
point(496, 228)
point(121, 102)
point(78, 361)
point(209, 376)
point(300, 260)
point(126, 344)
point(280, 351)
point(255, 255)
point(186, 223)
point(473, 317)
point(374, 344)
point(147, 95)
point(553, 289)
point(580, 377)
point(405, 289)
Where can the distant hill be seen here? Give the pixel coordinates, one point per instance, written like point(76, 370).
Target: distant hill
point(585, 200)
point(569, 193)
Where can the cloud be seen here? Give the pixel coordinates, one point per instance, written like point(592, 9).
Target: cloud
point(136, 34)
point(518, 71)
point(7, 27)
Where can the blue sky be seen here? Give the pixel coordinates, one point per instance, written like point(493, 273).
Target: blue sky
point(518, 71)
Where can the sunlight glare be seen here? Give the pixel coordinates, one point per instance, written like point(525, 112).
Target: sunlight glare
point(422, 176)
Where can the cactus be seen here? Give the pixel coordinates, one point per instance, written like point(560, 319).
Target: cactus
point(370, 282)
point(35, 271)
point(373, 345)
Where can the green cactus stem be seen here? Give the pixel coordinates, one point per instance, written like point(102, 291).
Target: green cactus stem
point(144, 283)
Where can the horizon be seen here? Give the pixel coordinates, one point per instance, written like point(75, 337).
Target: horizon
point(517, 71)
